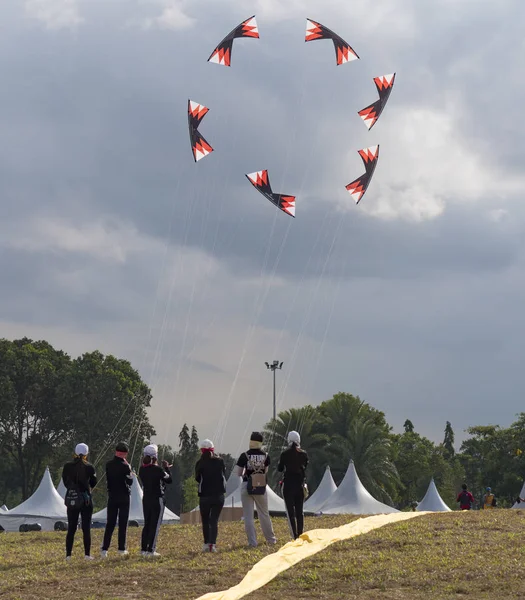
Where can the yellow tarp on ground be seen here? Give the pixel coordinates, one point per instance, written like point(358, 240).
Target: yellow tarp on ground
point(307, 545)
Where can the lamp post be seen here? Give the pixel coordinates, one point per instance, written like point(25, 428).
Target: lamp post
point(273, 367)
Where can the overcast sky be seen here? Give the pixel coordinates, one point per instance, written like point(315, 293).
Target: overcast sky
point(111, 237)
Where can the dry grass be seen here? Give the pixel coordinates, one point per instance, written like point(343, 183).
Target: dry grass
point(477, 554)
point(33, 566)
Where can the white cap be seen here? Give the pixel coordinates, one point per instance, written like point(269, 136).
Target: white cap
point(293, 436)
point(81, 449)
point(206, 444)
point(151, 450)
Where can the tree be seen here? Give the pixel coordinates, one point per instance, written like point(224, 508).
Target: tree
point(448, 442)
point(34, 416)
point(408, 426)
point(191, 496)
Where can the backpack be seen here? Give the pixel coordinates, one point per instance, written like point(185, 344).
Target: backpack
point(464, 498)
point(257, 479)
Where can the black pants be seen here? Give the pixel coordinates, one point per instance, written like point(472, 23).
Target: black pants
point(153, 512)
point(294, 500)
point(86, 512)
point(117, 507)
point(210, 507)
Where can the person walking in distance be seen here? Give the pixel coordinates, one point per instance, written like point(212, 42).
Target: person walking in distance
point(293, 462)
point(252, 466)
point(79, 478)
point(465, 498)
point(154, 479)
point(119, 481)
point(210, 474)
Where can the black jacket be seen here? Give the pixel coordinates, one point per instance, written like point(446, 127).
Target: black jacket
point(154, 480)
point(79, 473)
point(210, 474)
point(293, 462)
point(119, 479)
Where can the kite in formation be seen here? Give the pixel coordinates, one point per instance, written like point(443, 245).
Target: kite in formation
point(222, 54)
point(371, 113)
point(358, 187)
point(199, 145)
point(261, 182)
point(343, 51)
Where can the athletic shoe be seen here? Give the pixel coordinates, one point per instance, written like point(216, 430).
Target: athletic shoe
point(213, 548)
point(153, 554)
point(87, 557)
point(123, 552)
point(103, 554)
point(206, 547)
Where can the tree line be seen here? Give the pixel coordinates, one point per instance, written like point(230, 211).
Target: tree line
point(49, 401)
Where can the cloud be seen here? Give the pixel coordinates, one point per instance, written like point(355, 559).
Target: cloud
point(173, 16)
point(54, 14)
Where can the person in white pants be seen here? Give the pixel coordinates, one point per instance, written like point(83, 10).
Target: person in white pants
point(252, 466)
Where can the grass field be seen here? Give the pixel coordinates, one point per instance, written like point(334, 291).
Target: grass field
point(454, 555)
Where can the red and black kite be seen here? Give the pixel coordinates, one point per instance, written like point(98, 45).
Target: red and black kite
point(343, 51)
point(222, 54)
point(261, 182)
point(358, 187)
point(199, 145)
point(371, 113)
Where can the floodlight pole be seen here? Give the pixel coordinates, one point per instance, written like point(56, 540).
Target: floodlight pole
point(273, 367)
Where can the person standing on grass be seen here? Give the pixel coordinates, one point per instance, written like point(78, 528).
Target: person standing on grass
point(79, 478)
point(119, 482)
point(465, 498)
point(293, 462)
point(252, 466)
point(154, 479)
point(489, 500)
point(210, 474)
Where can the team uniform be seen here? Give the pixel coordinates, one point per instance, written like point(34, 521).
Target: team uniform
point(293, 462)
point(210, 474)
point(154, 480)
point(119, 482)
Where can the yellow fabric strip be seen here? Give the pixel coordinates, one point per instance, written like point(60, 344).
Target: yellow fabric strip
point(307, 545)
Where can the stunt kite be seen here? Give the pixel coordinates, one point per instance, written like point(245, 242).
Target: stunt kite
point(261, 182)
point(371, 113)
point(199, 145)
point(343, 51)
point(222, 54)
point(358, 187)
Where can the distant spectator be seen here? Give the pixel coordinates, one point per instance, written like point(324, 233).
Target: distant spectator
point(489, 500)
point(465, 498)
point(80, 478)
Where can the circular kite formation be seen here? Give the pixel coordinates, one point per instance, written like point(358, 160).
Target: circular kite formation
point(370, 114)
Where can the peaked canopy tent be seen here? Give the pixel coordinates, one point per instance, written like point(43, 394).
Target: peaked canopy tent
point(351, 497)
point(45, 506)
point(135, 509)
point(3, 509)
point(61, 489)
point(275, 503)
point(432, 501)
point(234, 482)
point(325, 489)
point(522, 495)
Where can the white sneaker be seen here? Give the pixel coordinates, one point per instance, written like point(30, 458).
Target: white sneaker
point(68, 558)
point(153, 554)
point(103, 554)
point(144, 553)
point(213, 548)
point(123, 552)
point(88, 557)
point(205, 547)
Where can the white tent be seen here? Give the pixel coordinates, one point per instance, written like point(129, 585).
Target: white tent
point(325, 489)
point(432, 501)
point(45, 506)
point(234, 481)
point(61, 489)
point(275, 503)
point(351, 497)
point(522, 495)
point(3, 509)
point(135, 509)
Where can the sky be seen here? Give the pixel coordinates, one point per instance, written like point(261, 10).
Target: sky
point(112, 238)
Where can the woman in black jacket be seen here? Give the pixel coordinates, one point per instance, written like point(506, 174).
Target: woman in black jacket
point(154, 479)
point(210, 474)
point(293, 462)
point(80, 478)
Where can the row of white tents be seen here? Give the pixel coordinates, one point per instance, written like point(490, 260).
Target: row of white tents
point(46, 507)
